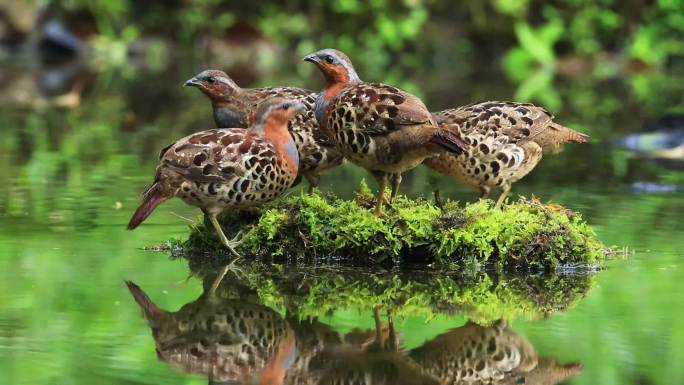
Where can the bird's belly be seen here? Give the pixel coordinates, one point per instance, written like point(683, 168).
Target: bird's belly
point(237, 194)
point(455, 166)
point(380, 154)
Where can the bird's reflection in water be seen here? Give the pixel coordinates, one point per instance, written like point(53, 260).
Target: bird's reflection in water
point(238, 341)
point(496, 354)
point(228, 340)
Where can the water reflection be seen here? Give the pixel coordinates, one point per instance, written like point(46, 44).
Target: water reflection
point(496, 354)
point(231, 338)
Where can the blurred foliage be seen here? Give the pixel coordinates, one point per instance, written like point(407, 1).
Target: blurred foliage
point(433, 48)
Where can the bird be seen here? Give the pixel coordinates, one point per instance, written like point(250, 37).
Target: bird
point(377, 361)
point(476, 354)
point(231, 338)
point(505, 141)
point(228, 168)
point(227, 340)
point(233, 106)
point(376, 126)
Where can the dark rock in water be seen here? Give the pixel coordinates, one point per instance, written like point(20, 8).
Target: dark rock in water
point(58, 45)
point(654, 188)
point(664, 133)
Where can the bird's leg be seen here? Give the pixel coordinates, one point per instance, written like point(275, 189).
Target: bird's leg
point(396, 181)
point(505, 189)
point(438, 198)
point(230, 244)
point(378, 324)
point(229, 267)
point(381, 177)
point(484, 191)
point(393, 340)
point(313, 180)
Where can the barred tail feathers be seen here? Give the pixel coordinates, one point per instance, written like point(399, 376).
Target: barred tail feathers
point(152, 197)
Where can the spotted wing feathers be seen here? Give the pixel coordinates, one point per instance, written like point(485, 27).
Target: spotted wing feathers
point(518, 122)
point(210, 156)
point(379, 108)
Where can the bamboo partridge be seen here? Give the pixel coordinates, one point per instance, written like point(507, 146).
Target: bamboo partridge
point(376, 126)
point(233, 106)
point(505, 141)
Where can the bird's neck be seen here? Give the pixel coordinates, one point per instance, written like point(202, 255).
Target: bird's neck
point(335, 82)
point(226, 116)
point(274, 129)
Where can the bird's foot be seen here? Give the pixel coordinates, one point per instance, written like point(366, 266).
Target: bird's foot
point(231, 267)
point(233, 243)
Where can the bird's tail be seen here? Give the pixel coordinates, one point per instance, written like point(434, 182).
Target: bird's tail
point(570, 135)
point(149, 309)
point(449, 140)
point(152, 197)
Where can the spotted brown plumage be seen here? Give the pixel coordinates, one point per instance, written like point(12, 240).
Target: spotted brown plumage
point(505, 141)
point(228, 168)
point(494, 355)
point(476, 354)
point(233, 107)
point(376, 126)
point(233, 340)
point(227, 340)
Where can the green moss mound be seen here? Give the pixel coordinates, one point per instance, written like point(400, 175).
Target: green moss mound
point(317, 227)
point(482, 297)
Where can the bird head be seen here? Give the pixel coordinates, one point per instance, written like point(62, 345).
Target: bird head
point(217, 85)
point(335, 66)
point(277, 111)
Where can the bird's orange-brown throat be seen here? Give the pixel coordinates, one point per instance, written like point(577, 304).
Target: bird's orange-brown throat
point(336, 77)
point(283, 358)
point(275, 130)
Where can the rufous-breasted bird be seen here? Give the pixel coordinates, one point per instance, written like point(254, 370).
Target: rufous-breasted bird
point(228, 168)
point(233, 106)
point(505, 141)
point(227, 340)
point(376, 126)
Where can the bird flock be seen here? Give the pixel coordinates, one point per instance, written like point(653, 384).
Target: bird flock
point(268, 139)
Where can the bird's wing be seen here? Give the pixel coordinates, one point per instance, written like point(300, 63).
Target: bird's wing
point(210, 156)
point(517, 121)
point(381, 108)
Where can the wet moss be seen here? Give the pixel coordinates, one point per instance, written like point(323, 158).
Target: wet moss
point(322, 228)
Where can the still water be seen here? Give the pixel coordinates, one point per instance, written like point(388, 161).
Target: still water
point(71, 175)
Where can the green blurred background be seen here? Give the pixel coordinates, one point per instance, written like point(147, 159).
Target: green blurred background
point(90, 90)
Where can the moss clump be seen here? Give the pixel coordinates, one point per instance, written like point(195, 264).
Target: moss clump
point(483, 297)
point(314, 228)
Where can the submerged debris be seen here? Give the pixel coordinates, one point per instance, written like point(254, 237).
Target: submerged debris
point(323, 228)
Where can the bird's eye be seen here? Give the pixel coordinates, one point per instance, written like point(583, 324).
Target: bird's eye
point(328, 59)
point(211, 80)
point(286, 106)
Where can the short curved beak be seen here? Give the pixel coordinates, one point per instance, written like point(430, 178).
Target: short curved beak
point(312, 58)
point(192, 83)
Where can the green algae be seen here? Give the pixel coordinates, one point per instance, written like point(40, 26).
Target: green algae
point(322, 227)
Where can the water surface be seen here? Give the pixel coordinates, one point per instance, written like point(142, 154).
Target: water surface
point(71, 178)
